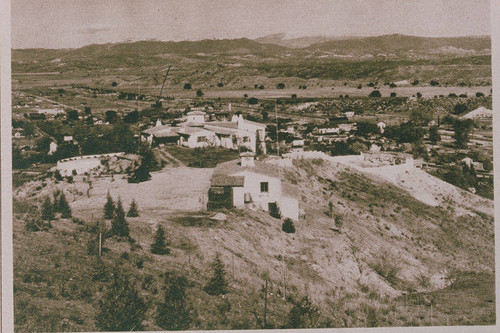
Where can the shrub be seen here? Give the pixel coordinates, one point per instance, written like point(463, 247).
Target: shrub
point(288, 226)
point(187, 86)
point(375, 93)
point(280, 85)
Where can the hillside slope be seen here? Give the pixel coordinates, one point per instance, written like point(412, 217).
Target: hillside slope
point(356, 266)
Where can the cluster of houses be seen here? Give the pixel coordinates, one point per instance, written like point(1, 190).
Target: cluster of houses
point(196, 132)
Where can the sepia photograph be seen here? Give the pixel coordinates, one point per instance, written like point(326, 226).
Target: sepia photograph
point(249, 165)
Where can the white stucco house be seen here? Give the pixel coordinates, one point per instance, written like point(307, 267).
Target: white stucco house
point(253, 184)
point(196, 137)
point(195, 116)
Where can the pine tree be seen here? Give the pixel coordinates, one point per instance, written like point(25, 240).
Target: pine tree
point(109, 207)
point(133, 210)
point(121, 307)
point(217, 284)
point(119, 225)
point(174, 313)
point(47, 210)
point(34, 221)
point(302, 315)
point(64, 207)
point(159, 245)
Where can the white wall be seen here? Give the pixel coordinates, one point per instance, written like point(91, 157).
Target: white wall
point(252, 186)
point(289, 208)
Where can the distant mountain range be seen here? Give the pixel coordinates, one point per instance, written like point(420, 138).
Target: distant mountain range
point(276, 56)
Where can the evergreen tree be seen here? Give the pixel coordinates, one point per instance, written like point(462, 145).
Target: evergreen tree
point(434, 136)
point(119, 225)
point(121, 307)
point(109, 207)
point(133, 210)
point(47, 210)
point(34, 221)
point(174, 313)
point(159, 245)
point(302, 315)
point(64, 207)
point(217, 284)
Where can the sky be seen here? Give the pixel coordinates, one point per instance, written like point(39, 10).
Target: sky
point(75, 23)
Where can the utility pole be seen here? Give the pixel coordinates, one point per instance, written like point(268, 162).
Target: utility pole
point(277, 130)
point(265, 307)
point(100, 243)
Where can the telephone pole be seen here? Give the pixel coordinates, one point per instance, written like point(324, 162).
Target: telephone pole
point(277, 130)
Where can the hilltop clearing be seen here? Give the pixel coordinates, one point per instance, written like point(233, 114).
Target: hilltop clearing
point(366, 259)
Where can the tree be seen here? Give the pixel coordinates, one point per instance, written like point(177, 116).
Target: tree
point(174, 313)
point(366, 128)
point(131, 117)
point(288, 226)
point(121, 308)
point(393, 94)
point(217, 285)
point(252, 101)
point(375, 93)
point(109, 207)
point(111, 116)
point(302, 315)
point(462, 129)
point(34, 222)
point(119, 225)
point(199, 93)
point(421, 116)
point(114, 84)
point(459, 108)
point(434, 136)
point(187, 86)
point(64, 207)
point(479, 94)
point(280, 85)
point(47, 210)
point(133, 211)
point(159, 245)
point(434, 83)
point(72, 115)
point(141, 174)
point(87, 110)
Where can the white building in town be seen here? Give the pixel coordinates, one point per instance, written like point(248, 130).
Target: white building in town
point(253, 184)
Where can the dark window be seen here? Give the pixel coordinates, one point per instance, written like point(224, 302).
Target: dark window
point(264, 187)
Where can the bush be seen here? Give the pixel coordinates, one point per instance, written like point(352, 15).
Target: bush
point(288, 226)
point(280, 85)
point(187, 86)
point(375, 93)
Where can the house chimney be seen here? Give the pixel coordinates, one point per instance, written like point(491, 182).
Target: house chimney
point(158, 122)
point(247, 159)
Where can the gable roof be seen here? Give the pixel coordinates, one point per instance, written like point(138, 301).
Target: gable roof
point(162, 131)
